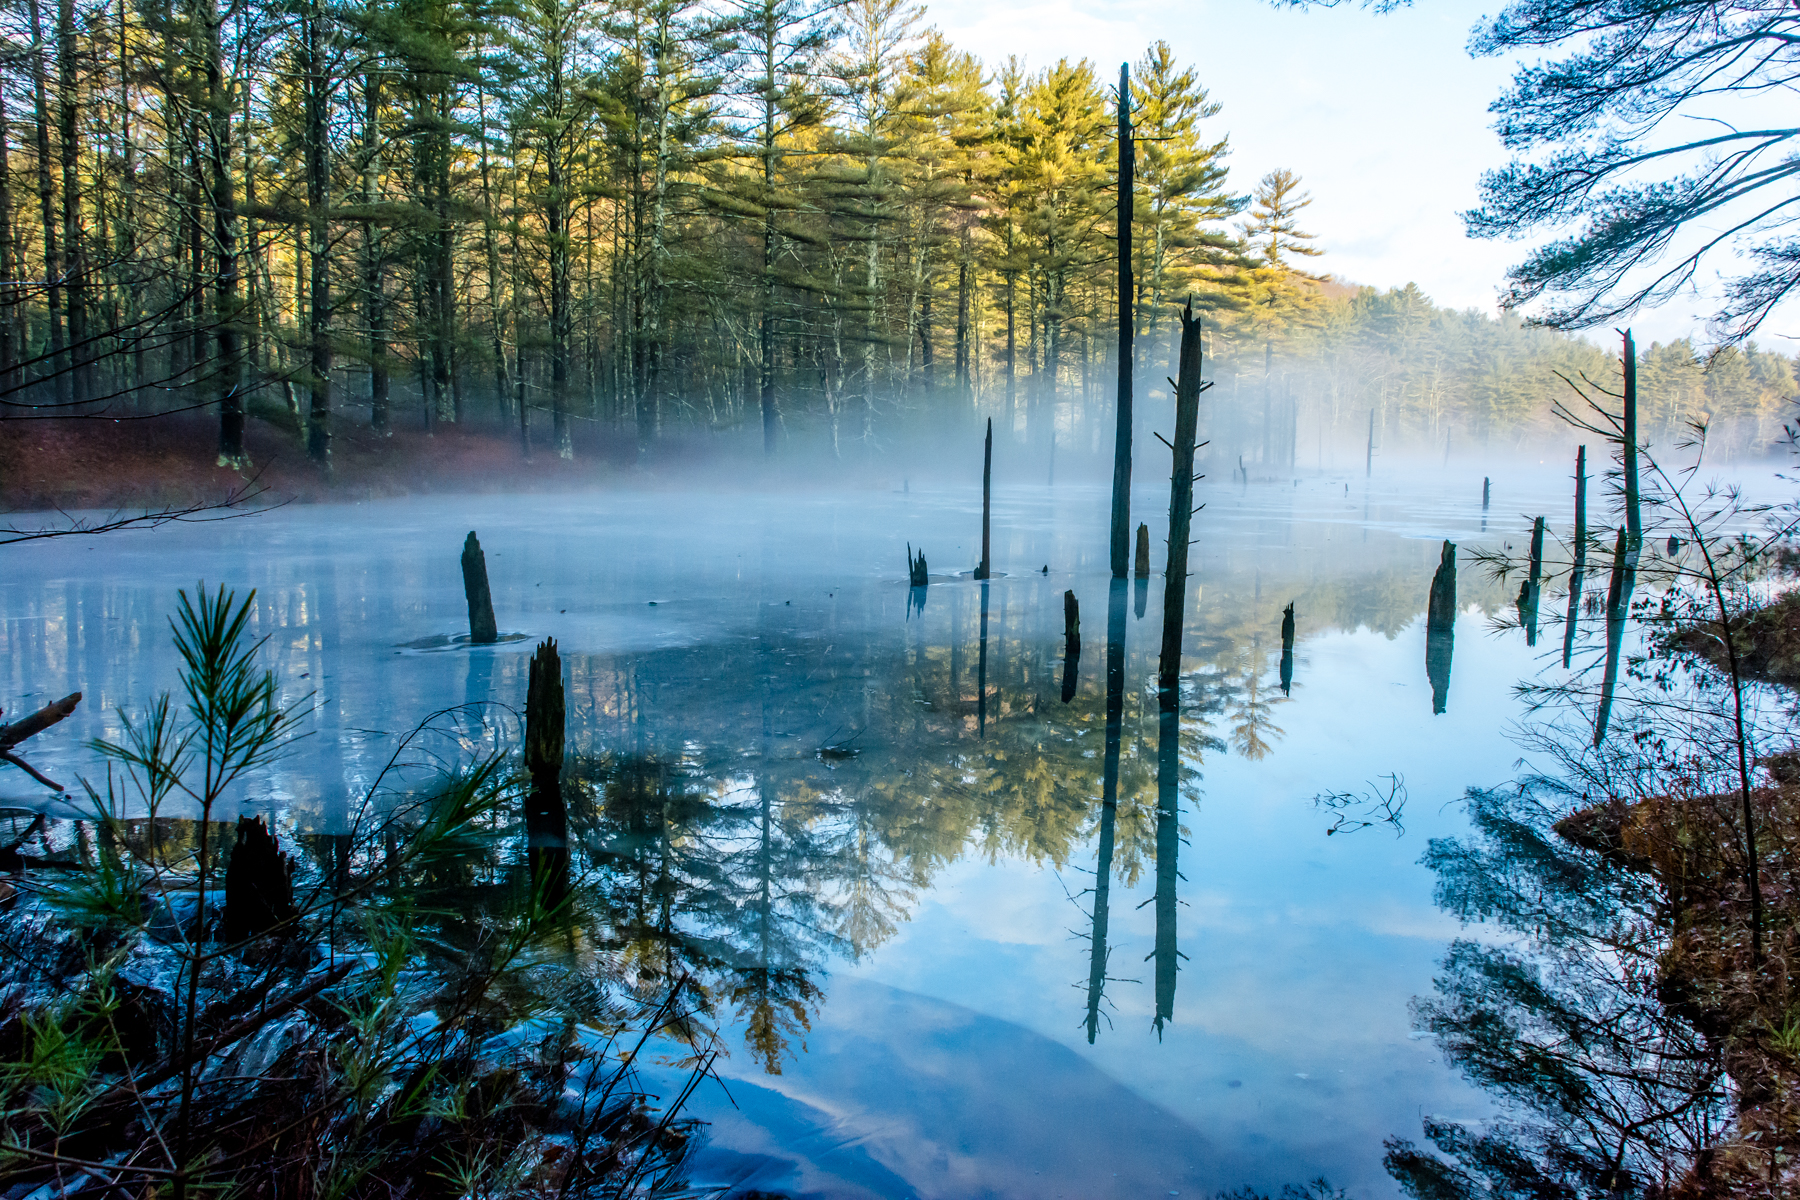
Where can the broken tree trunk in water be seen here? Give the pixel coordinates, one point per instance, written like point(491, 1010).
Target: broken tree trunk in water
point(1071, 645)
point(987, 493)
point(1181, 509)
point(1528, 598)
point(1142, 567)
point(915, 567)
point(1580, 567)
point(546, 816)
point(482, 630)
point(1440, 628)
point(1121, 493)
point(1618, 600)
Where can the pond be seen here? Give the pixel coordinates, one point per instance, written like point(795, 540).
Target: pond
point(872, 826)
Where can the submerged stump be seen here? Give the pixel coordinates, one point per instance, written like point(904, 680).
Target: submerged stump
point(1142, 567)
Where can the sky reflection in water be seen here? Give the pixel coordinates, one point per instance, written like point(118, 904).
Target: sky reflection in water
point(933, 884)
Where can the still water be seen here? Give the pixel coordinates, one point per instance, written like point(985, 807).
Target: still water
point(875, 832)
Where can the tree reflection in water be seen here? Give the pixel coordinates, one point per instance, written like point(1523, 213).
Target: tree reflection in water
point(1603, 1092)
point(745, 812)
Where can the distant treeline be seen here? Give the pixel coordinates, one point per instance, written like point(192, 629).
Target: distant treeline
point(1437, 380)
point(578, 218)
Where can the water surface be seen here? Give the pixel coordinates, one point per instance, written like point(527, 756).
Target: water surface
point(874, 833)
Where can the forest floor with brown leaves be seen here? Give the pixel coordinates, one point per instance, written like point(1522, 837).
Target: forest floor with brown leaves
point(1744, 998)
point(172, 461)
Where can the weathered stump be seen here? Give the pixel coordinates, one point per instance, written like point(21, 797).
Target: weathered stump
point(259, 883)
point(482, 630)
point(1142, 567)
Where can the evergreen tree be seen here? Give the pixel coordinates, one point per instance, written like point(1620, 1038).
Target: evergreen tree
point(1181, 245)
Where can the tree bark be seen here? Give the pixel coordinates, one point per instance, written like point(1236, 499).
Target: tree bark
point(226, 315)
point(374, 264)
point(1181, 502)
point(74, 242)
point(317, 102)
point(1121, 488)
point(12, 307)
point(53, 269)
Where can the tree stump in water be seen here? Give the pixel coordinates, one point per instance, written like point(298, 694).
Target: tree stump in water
point(915, 567)
point(985, 570)
point(1142, 567)
point(1532, 590)
point(259, 883)
point(482, 630)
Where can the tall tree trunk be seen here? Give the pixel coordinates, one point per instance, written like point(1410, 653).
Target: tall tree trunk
point(53, 270)
point(374, 263)
point(260, 282)
point(318, 217)
point(491, 243)
point(226, 315)
point(557, 222)
point(440, 269)
point(1121, 488)
point(766, 330)
point(872, 282)
point(197, 334)
point(656, 261)
point(74, 242)
point(927, 366)
point(965, 275)
point(1012, 353)
point(126, 251)
point(12, 306)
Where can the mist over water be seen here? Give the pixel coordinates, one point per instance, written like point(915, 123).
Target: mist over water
point(902, 821)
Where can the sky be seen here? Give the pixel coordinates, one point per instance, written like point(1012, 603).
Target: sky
point(1384, 117)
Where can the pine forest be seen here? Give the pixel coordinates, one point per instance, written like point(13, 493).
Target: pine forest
point(606, 224)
